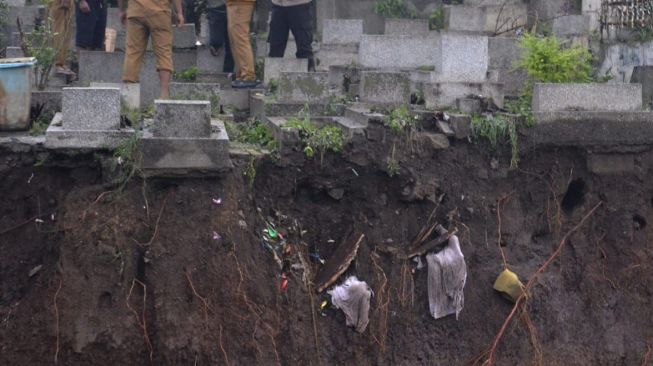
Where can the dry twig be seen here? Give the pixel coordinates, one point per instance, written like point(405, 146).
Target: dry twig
point(203, 299)
point(224, 353)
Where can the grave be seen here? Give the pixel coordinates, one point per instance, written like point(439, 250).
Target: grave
point(586, 97)
point(406, 26)
point(275, 66)
point(288, 137)
point(304, 87)
point(387, 88)
point(491, 19)
point(644, 75)
point(99, 66)
point(89, 119)
point(399, 51)
point(130, 93)
point(183, 140)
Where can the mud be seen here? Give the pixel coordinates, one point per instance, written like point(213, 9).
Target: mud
point(135, 277)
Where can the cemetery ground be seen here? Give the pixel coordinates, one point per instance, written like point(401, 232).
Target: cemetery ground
point(134, 274)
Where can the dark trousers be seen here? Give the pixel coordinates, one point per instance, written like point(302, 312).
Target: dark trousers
point(296, 19)
point(219, 34)
point(91, 26)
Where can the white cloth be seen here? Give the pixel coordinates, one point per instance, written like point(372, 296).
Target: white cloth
point(353, 298)
point(447, 276)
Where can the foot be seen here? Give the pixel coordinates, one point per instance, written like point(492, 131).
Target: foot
point(215, 51)
point(245, 84)
point(59, 69)
point(312, 63)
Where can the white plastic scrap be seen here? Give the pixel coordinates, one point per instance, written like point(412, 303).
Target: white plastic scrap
point(353, 298)
point(447, 276)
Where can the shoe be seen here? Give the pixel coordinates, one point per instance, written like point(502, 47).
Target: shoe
point(245, 84)
point(312, 62)
point(64, 70)
point(215, 51)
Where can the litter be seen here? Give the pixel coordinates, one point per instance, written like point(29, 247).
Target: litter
point(284, 282)
point(446, 280)
point(216, 236)
point(315, 257)
point(353, 298)
point(35, 270)
point(29, 180)
point(338, 262)
point(217, 201)
point(38, 221)
point(509, 285)
point(354, 171)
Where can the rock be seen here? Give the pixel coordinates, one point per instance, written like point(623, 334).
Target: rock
point(494, 164)
point(336, 193)
point(242, 224)
point(434, 141)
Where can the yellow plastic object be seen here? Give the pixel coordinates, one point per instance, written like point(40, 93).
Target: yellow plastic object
point(509, 285)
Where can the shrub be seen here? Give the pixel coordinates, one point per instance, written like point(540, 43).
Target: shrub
point(393, 9)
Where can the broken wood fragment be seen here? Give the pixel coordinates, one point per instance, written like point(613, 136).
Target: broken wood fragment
point(338, 263)
point(441, 240)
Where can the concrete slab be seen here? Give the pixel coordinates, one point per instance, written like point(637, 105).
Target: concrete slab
point(91, 108)
point(342, 31)
point(380, 87)
point(303, 86)
point(406, 26)
point(275, 66)
point(587, 97)
point(58, 137)
point(399, 51)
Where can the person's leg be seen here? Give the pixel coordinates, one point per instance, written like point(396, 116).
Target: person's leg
point(223, 30)
point(161, 34)
point(301, 24)
point(239, 16)
point(135, 44)
point(61, 15)
point(279, 27)
point(100, 26)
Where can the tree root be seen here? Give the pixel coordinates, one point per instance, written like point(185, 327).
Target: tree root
point(202, 299)
point(647, 355)
point(487, 357)
point(382, 302)
point(224, 353)
point(141, 319)
point(56, 322)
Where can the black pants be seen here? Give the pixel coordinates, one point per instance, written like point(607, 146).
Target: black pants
point(219, 34)
point(297, 19)
point(91, 26)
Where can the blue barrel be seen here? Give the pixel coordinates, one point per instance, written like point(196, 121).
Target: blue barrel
point(15, 93)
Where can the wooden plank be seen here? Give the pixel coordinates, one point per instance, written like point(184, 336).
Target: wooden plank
point(338, 263)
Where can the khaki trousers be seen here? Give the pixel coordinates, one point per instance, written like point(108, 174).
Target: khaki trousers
point(239, 14)
point(61, 18)
point(157, 26)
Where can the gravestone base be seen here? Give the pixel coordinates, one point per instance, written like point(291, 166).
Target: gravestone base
point(58, 137)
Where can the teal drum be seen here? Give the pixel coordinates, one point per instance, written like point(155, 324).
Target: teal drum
point(15, 93)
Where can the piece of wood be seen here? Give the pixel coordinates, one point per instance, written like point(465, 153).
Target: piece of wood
point(338, 263)
point(430, 245)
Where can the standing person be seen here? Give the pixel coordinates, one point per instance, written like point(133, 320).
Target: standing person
point(239, 15)
point(149, 19)
point(295, 16)
point(91, 18)
point(60, 13)
point(216, 12)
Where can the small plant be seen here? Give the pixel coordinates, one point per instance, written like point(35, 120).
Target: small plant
point(259, 68)
point(546, 60)
point(273, 86)
point(521, 106)
point(392, 167)
point(188, 75)
point(496, 130)
point(436, 19)
point(250, 172)
point(252, 132)
point(38, 44)
point(126, 157)
point(393, 9)
point(316, 139)
point(400, 120)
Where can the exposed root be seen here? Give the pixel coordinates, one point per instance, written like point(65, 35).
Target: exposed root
point(56, 323)
point(253, 309)
point(99, 197)
point(647, 355)
point(604, 258)
point(224, 353)
point(489, 355)
point(203, 299)
point(156, 226)
point(501, 201)
point(406, 291)
point(382, 302)
point(30, 220)
point(141, 319)
point(538, 357)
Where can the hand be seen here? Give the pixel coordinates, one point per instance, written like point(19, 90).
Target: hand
point(180, 20)
point(123, 17)
point(83, 7)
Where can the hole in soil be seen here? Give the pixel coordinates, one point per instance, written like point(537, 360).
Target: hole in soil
point(574, 196)
point(105, 300)
point(639, 222)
